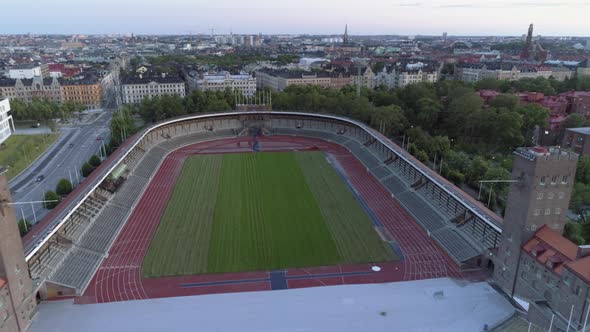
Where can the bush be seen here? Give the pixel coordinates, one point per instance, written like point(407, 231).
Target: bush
point(456, 177)
point(24, 227)
point(51, 196)
point(422, 156)
point(94, 161)
point(87, 169)
point(64, 187)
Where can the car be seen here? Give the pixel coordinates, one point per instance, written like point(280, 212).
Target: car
point(71, 145)
point(39, 178)
point(98, 138)
point(36, 125)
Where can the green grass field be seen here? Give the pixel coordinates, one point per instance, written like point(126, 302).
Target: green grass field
point(19, 151)
point(263, 211)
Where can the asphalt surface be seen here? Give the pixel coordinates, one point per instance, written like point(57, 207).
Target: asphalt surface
point(60, 161)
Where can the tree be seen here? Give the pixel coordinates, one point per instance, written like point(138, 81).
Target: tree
point(573, 232)
point(508, 129)
point(389, 119)
point(508, 101)
point(427, 112)
point(574, 121)
point(64, 187)
point(439, 146)
point(52, 199)
point(410, 94)
point(122, 125)
point(533, 115)
point(87, 169)
point(580, 201)
point(477, 168)
point(24, 227)
point(583, 170)
point(456, 177)
point(94, 161)
point(460, 112)
point(488, 84)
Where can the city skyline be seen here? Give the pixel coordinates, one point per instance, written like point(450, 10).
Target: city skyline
point(373, 17)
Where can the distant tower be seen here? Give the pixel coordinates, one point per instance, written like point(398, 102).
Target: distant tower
point(345, 38)
point(16, 288)
point(444, 37)
point(541, 195)
point(529, 36)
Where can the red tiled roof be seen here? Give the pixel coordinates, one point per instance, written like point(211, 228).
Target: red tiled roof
point(557, 242)
point(2, 283)
point(548, 245)
point(580, 267)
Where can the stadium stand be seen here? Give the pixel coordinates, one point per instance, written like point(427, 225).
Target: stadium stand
point(381, 172)
point(394, 184)
point(80, 266)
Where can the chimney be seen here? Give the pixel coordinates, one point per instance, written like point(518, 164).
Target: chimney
point(140, 76)
point(583, 251)
point(163, 75)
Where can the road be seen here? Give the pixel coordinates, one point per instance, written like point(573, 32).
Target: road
point(61, 161)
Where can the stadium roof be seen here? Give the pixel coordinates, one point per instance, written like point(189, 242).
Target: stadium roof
point(425, 305)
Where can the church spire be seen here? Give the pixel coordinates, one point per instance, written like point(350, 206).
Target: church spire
point(345, 39)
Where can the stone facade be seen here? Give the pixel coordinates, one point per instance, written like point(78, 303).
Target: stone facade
point(136, 88)
point(534, 261)
point(85, 91)
point(17, 301)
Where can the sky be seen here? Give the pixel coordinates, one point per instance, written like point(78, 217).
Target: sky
point(367, 17)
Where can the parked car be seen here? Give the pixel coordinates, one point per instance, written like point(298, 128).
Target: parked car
point(36, 125)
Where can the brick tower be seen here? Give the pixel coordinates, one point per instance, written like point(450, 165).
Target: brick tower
point(540, 197)
point(17, 302)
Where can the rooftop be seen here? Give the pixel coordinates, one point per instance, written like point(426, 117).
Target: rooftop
point(535, 152)
point(425, 305)
point(547, 245)
point(580, 267)
point(582, 130)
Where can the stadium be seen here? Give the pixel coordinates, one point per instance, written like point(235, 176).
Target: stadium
point(259, 200)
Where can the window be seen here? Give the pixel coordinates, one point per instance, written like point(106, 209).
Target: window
point(550, 195)
point(533, 228)
point(537, 212)
point(567, 280)
point(539, 195)
point(554, 179)
point(560, 195)
point(542, 182)
point(547, 211)
point(557, 210)
point(564, 179)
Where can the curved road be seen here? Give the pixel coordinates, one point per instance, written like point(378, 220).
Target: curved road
point(60, 161)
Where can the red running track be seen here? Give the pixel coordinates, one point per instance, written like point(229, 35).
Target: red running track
point(119, 276)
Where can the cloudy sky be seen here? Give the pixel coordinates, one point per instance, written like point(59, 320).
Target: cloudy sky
point(465, 17)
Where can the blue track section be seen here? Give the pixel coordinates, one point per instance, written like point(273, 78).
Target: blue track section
point(278, 280)
point(330, 275)
point(362, 202)
point(222, 282)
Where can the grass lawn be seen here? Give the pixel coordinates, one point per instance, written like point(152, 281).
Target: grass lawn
point(19, 151)
point(260, 211)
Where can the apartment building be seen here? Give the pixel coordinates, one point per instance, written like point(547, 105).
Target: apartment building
point(243, 82)
point(136, 88)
